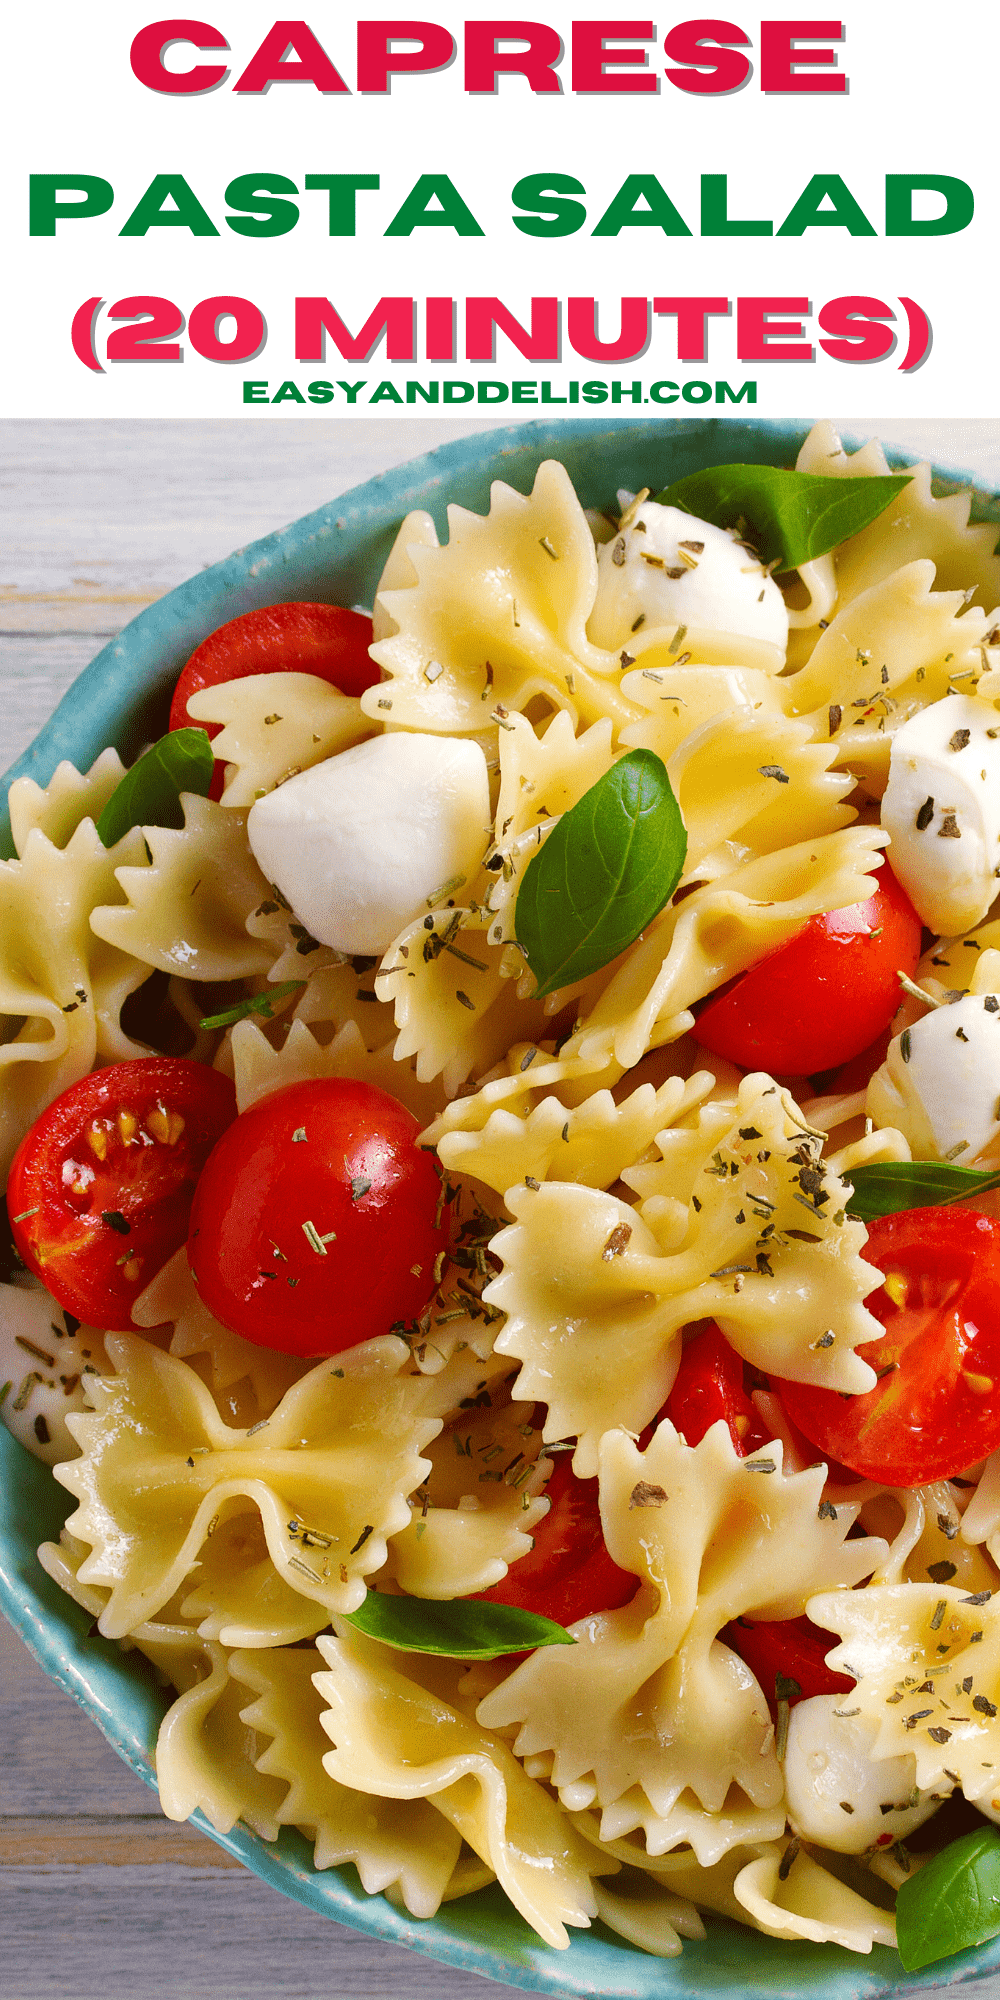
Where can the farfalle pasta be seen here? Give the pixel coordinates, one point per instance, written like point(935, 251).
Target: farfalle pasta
point(653, 1254)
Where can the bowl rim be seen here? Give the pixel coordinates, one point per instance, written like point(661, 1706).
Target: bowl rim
point(114, 700)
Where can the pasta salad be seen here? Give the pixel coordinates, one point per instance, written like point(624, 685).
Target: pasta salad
point(501, 1116)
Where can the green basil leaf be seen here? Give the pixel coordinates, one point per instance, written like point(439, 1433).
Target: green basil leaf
point(259, 1003)
point(791, 517)
point(953, 1902)
point(462, 1628)
point(605, 871)
point(899, 1184)
point(149, 794)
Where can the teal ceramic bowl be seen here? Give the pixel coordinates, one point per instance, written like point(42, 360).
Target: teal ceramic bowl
point(336, 555)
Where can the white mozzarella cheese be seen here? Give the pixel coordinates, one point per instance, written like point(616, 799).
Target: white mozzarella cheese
point(835, 1790)
point(44, 1367)
point(359, 843)
point(942, 809)
point(668, 568)
point(941, 1084)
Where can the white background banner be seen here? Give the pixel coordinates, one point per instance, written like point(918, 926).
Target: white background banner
point(753, 225)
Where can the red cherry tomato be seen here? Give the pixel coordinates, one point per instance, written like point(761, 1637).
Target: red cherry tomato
point(320, 639)
point(100, 1189)
point(709, 1385)
point(936, 1406)
point(569, 1573)
point(793, 1649)
point(317, 1220)
point(823, 996)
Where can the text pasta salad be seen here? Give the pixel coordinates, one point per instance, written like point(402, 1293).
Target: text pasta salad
point(501, 1116)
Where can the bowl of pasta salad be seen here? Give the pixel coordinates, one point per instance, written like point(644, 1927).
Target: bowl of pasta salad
point(500, 1103)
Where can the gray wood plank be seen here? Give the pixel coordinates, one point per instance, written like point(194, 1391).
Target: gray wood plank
point(103, 508)
point(54, 1760)
point(165, 1933)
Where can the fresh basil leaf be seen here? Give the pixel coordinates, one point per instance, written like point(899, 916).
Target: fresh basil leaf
point(261, 1004)
point(461, 1628)
point(899, 1184)
point(605, 871)
point(790, 517)
point(951, 1903)
point(149, 794)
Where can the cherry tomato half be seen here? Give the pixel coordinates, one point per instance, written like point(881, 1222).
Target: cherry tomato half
point(100, 1189)
point(569, 1573)
point(317, 1220)
point(936, 1406)
point(320, 639)
point(709, 1385)
point(790, 1649)
point(823, 996)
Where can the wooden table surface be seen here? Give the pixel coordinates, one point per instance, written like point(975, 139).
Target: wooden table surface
point(100, 1898)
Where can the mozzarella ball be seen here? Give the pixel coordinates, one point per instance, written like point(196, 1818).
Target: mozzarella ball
point(668, 568)
point(940, 1084)
point(359, 844)
point(45, 1367)
point(835, 1790)
point(942, 809)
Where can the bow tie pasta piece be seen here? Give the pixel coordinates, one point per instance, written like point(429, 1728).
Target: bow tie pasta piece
point(709, 1835)
point(767, 1251)
point(61, 988)
point(640, 1909)
point(201, 1754)
point(707, 1884)
point(928, 1537)
point(749, 784)
point(259, 1068)
point(328, 1473)
point(171, 1299)
point(755, 1884)
point(530, 1071)
point(678, 700)
point(275, 725)
point(396, 1737)
point(573, 1303)
point(590, 1143)
point(897, 647)
point(296, 954)
point(56, 809)
point(240, 1599)
point(497, 617)
point(807, 1901)
point(719, 930)
point(479, 1505)
point(416, 531)
point(456, 998)
point(175, 1648)
point(926, 1659)
point(62, 1561)
point(336, 994)
point(916, 527)
point(390, 1841)
point(649, 1697)
point(204, 1761)
point(187, 909)
point(981, 1520)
